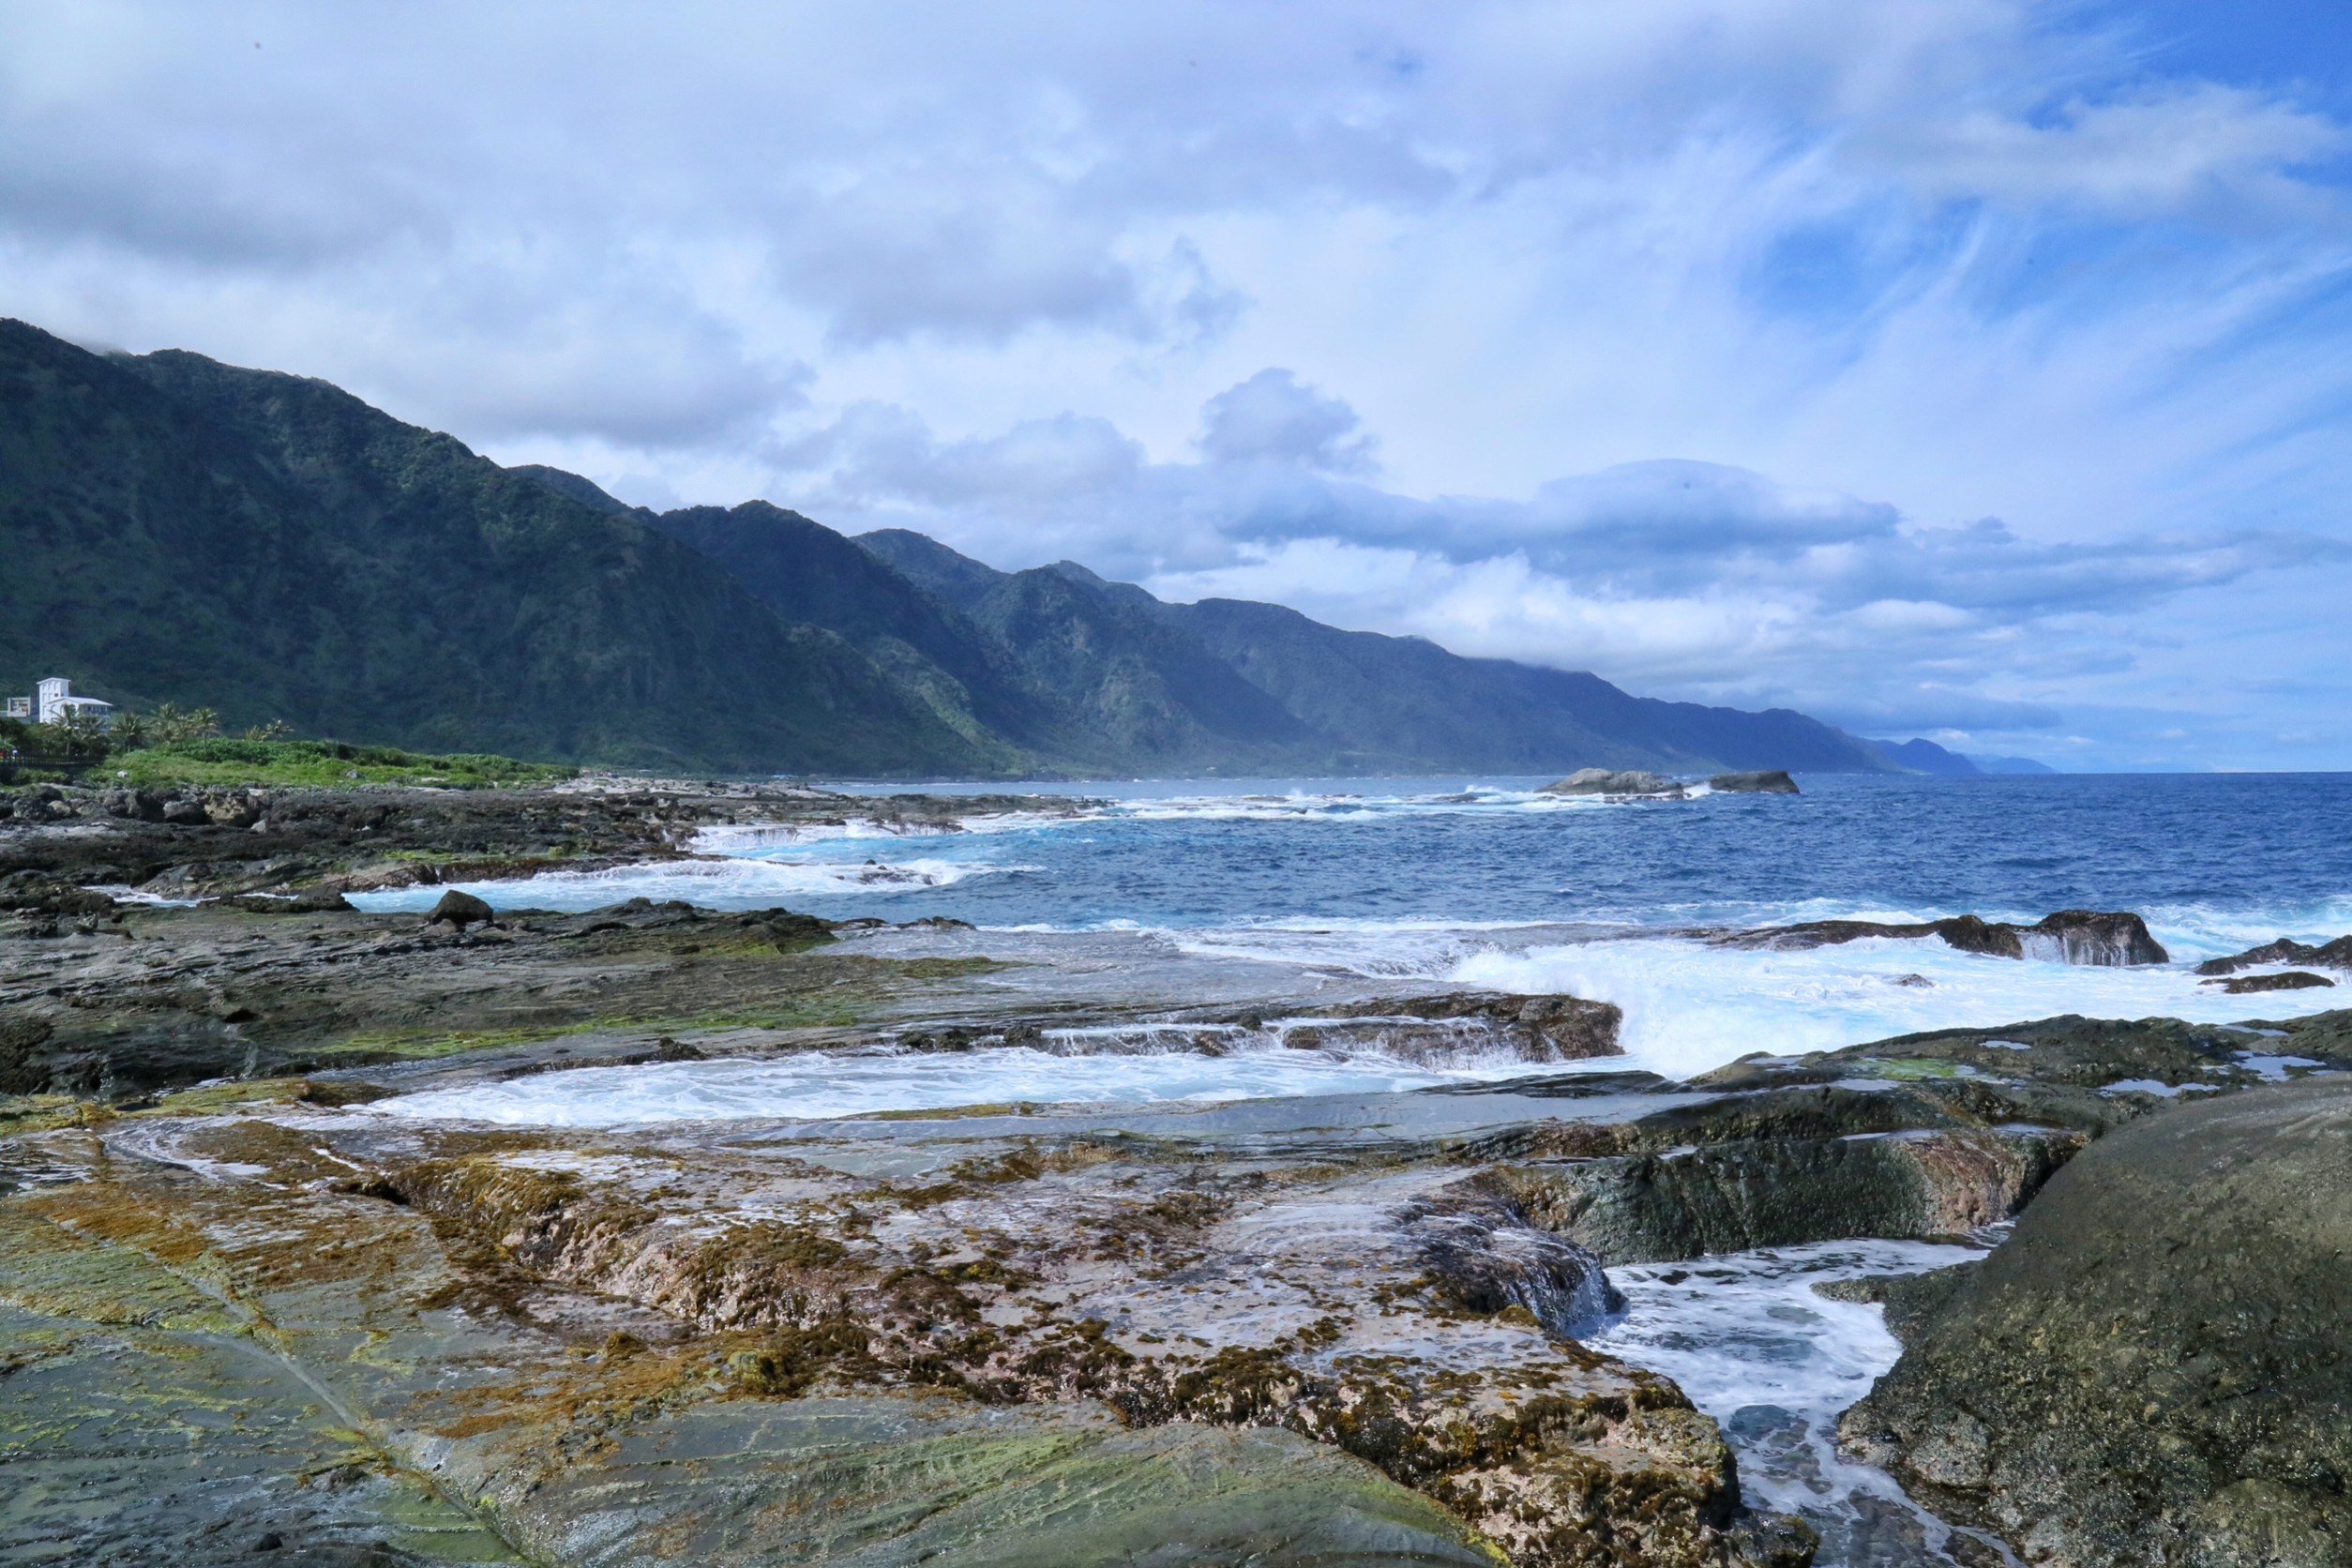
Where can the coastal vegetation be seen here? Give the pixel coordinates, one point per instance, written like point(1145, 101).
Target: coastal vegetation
point(220, 759)
point(169, 746)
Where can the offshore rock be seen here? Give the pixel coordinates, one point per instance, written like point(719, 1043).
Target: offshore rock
point(2151, 1371)
point(1602, 781)
point(1772, 781)
point(2292, 980)
point(2286, 950)
point(2089, 937)
point(2101, 939)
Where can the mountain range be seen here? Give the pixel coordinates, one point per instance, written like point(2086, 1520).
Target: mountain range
point(269, 545)
point(1925, 755)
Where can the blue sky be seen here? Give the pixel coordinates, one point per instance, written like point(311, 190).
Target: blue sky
point(1959, 368)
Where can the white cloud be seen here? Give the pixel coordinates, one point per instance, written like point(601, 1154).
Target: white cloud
point(1274, 417)
point(1694, 336)
point(2178, 148)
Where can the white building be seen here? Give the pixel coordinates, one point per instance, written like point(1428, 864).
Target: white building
point(53, 699)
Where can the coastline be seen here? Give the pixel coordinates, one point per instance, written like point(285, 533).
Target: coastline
point(1241, 1200)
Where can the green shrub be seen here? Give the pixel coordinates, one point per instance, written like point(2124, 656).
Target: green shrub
point(228, 759)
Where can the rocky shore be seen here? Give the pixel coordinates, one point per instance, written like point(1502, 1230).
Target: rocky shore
point(256, 1307)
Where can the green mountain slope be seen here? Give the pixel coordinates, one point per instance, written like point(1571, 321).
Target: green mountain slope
point(1356, 701)
point(1414, 699)
point(181, 530)
point(807, 573)
point(175, 529)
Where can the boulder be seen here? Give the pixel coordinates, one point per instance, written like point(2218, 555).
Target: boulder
point(1482, 1254)
point(1602, 781)
point(2152, 1369)
point(185, 813)
point(460, 909)
point(1770, 782)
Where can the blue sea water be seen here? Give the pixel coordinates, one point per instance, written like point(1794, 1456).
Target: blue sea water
point(1488, 882)
point(1187, 855)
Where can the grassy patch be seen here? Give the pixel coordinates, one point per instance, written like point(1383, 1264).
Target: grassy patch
point(41, 1113)
point(215, 1097)
point(426, 1044)
point(1909, 1069)
point(330, 764)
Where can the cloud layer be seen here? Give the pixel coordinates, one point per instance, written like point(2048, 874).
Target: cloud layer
point(1975, 366)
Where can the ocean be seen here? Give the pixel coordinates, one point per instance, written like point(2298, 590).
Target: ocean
point(1486, 883)
point(1193, 893)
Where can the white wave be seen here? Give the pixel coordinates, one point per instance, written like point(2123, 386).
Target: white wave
point(826, 1085)
point(1343, 807)
point(123, 893)
point(757, 838)
point(1690, 1006)
point(1377, 949)
point(2198, 931)
point(734, 882)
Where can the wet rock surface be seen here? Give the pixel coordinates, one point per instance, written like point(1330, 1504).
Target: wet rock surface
point(1451, 1025)
point(1278, 1331)
point(242, 1301)
point(2106, 938)
point(2152, 1370)
point(898, 1338)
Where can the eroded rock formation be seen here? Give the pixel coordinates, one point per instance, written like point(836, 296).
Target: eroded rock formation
point(2093, 937)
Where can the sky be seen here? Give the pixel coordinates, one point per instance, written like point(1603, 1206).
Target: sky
point(1970, 369)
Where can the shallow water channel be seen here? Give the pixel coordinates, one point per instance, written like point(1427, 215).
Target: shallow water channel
point(1756, 1346)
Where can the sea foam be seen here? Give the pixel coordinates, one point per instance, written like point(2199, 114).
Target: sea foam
point(829, 1085)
